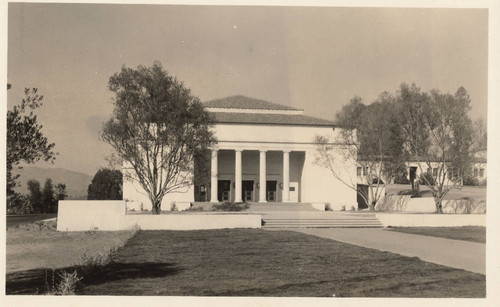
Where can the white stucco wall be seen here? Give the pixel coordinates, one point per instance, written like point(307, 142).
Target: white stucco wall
point(111, 216)
point(133, 192)
point(319, 185)
point(83, 215)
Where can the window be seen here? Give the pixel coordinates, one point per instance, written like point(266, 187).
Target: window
point(434, 172)
point(429, 171)
point(365, 171)
point(358, 171)
point(476, 172)
point(481, 172)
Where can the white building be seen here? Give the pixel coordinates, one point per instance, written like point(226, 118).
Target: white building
point(265, 153)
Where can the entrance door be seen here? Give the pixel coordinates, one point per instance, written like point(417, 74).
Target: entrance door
point(271, 190)
point(247, 190)
point(294, 192)
point(413, 174)
point(224, 190)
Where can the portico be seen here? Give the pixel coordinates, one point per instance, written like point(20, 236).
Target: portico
point(265, 193)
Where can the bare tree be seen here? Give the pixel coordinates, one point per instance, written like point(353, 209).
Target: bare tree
point(157, 128)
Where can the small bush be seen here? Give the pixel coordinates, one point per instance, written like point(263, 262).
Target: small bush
point(68, 282)
point(427, 179)
point(328, 207)
point(91, 264)
point(195, 209)
point(401, 179)
point(228, 206)
point(173, 206)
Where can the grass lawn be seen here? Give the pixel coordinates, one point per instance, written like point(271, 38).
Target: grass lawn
point(37, 248)
point(466, 233)
point(254, 262)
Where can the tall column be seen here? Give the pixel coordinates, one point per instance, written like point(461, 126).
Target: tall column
point(286, 177)
point(213, 178)
point(262, 179)
point(237, 176)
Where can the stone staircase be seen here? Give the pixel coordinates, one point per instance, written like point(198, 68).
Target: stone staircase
point(304, 215)
point(325, 219)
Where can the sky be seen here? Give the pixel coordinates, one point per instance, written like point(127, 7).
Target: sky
point(313, 58)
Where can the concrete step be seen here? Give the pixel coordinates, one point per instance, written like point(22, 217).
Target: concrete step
point(347, 221)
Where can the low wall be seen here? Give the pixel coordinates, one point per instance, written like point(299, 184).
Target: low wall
point(405, 203)
point(81, 215)
point(139, 206)
point(194, 221)
point(431, 220)
point(111, 215)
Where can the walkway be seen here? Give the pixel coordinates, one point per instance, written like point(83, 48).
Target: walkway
point(465, 255)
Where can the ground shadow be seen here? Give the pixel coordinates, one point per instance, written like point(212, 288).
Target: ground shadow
point(118, 271)
point(38, 281)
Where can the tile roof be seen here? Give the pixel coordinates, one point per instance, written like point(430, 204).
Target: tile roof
point(243, 102)
point(272, 119)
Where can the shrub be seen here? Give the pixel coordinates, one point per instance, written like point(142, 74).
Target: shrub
point(328, 207)
point(427, 179)
point(228, 206)
point(68, 282)
point(471, 181)
point(90, 264)
point(401, 179)
point(173, 206)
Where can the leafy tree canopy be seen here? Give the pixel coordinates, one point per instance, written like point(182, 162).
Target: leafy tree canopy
point(156, 129)
point(25, 140)
point(106, 185)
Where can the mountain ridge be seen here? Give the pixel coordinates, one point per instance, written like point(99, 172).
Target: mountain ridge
point(76, 182)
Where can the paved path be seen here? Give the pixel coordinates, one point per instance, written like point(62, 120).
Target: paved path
point(465, 255)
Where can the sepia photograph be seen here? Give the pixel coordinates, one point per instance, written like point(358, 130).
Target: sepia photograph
point(248, 151)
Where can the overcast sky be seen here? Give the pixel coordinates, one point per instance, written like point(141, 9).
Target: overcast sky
point(310, 58)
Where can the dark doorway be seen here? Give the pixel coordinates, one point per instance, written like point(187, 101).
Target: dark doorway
point(271, 190)
point(224, 190)
point(413, 174)
point(247, 190)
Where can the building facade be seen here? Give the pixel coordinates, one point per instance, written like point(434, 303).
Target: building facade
point(266, 153)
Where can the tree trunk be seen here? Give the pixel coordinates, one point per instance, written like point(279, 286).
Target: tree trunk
point(156, 209)
point(439, 207)
point(372, 206)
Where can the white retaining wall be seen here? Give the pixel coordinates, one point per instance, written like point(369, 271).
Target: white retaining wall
point(431, 220)
point(405, 203)
point(82, 215)
point(111, 215)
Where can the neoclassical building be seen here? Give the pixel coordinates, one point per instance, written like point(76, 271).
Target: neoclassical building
point(266, 153)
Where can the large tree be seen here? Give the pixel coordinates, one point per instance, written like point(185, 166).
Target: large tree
point(34, 198)
point(107, 184)
point(438, 135)
point(25, 140)
point(373, 139)
point(157, 128)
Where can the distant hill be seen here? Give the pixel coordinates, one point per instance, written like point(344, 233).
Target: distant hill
point(76, 183)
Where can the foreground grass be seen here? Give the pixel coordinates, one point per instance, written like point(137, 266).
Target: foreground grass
point(279, 263)
point(35, 252)
point(466, 233)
